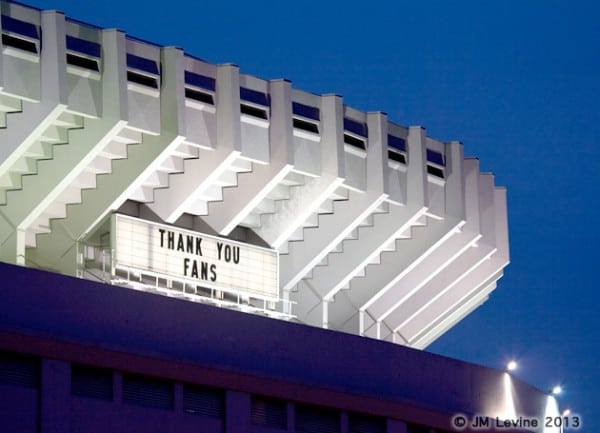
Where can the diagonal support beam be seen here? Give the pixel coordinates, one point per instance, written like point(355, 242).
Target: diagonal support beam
point(113, 189)
point(27, 126)
point(348, 214)
point(276, 228)
point(421, 338)
point(442, 312)
point(25, 206)
point(327, 281)
point(478, 198)
point(170, 203)
point(471, 260)
point(223, 216)
point(409, 253)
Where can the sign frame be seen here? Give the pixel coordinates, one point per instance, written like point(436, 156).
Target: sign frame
point(197, 267)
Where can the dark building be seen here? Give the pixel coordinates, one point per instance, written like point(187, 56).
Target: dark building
point(79, 356)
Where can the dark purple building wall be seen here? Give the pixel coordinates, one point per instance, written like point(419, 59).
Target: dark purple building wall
point(77, 320)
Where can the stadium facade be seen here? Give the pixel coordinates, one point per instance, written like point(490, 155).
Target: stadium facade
point(149, 200)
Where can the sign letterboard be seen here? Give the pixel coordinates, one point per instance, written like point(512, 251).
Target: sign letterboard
point(195, 257)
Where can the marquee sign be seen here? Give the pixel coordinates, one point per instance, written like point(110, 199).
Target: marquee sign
point(195, 257)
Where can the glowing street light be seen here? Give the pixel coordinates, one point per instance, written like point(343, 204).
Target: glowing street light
point(556, 390)
point(511, 366)
point(566, 412)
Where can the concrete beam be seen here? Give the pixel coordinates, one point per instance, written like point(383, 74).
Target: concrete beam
point(224, 215)
point(57, 250)
point(26, 127)
point(347, 214)
point(478, 197)
point(200, 173)
point(276, 228)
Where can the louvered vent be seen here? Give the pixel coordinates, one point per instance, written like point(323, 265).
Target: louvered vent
point(359, 423)
point(269, 412)
point(205, 401)
point(18, 369)
point(93, 382)
point(147, 392)
point(312, 419)
point(415, 428)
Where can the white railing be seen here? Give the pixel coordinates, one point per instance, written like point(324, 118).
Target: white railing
point(95, 262)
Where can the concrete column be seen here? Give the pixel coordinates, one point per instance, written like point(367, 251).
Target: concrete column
point(344, 424)
point(237, 412)
point(416, 181)
point(229, 130)
point(55, 398)
point(396, 426)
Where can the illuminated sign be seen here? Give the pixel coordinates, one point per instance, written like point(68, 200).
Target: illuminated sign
point(194, 257)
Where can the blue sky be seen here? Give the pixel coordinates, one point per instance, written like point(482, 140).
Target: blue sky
point(517, 82)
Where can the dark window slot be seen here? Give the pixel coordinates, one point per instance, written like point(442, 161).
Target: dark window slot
point(21, 44)
point(253, 111)
point(306, 126)
point(82, 62)
point(435, 171)
point(415, 428)
point(269, 412)
point(311, 419)
point(205, 401)
point(435, 157)
point(201, 81)
point(142, 64)
point(92, 382)
point(24, 28)
point(254, 96)
point(359, 423)
point(148, 392)
point(356, 142)
point(398, 157)
point(397, 143)
point(306, 111)
point(355, 127)
point(144, 80)
point(20, 370)
point(199, 96)
point(82, 46)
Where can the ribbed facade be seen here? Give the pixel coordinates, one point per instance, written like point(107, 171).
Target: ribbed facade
point(380, 230)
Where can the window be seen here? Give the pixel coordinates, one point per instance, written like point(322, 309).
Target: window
point(359, 423)
point(148, 392)
point(305, 117)
point(306, 126)
point(18, 369)
point(415, 428)
point(83, 54)
point(435, 164)
point(93, 382)
point(268, 412)
point(19, 34)
point(435, 157)
point(142, 71)
point(314, 419)
point(355, 133)
point(254, 103)
point(200, 88)
point(394, 155)
point(199, 400)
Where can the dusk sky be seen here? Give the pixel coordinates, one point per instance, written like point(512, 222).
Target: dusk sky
point(518, 82)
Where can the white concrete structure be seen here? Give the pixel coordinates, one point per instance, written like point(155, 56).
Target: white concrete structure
point(382, 231)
